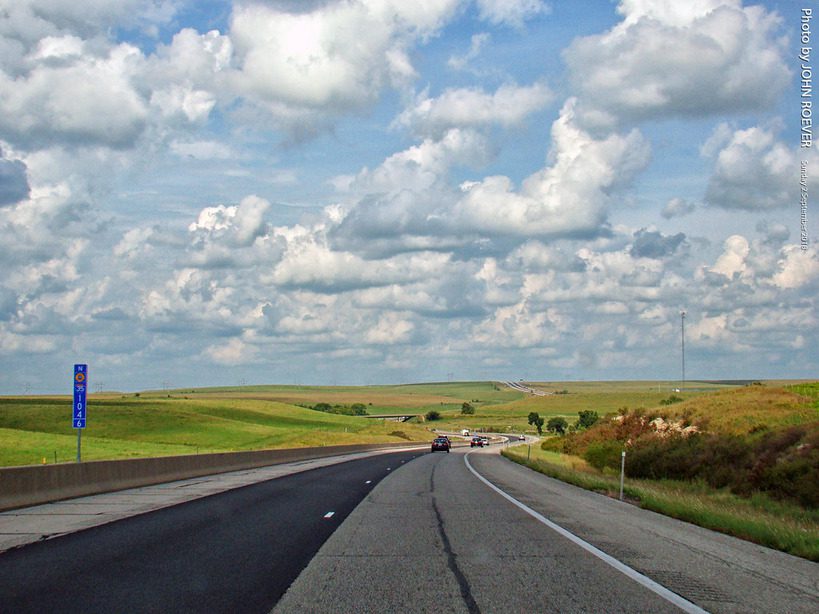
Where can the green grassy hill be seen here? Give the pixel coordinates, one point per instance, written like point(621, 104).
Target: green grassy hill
point(187, 421)
point(35, 428)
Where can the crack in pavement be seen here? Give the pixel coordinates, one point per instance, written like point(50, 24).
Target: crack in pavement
point(452, 563)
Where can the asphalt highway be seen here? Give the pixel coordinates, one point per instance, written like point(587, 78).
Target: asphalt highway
point(436, 537)
point(433, 538)
point(412, 531)
point(236, 551)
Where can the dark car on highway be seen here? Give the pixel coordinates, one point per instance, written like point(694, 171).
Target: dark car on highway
point(440, 443)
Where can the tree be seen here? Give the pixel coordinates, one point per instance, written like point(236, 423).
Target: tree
point(557, 425)
point(587, 418)
point(433, 415)
point(467, 409)
point(537, 421)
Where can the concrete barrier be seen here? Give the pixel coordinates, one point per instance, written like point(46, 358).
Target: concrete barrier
point(35, 484)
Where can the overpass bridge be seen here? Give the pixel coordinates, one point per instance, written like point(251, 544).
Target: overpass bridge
point(394, 417)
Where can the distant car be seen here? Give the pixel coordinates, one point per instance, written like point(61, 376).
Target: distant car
point(521, 437)
point(440, 443)
point(476, 441)
point(485, 440)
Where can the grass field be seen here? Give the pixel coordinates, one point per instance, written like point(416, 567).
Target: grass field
point(35, 428)
point(413, 398)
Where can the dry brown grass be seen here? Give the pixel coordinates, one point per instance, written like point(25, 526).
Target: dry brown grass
point(742, 410)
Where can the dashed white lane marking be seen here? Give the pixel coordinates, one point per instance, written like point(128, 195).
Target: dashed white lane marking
point(329, 514)
point(368, 482)
point(659, 589)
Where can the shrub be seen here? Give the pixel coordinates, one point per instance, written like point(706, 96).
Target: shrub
point(604, 454)
point(552, 444)
point(433, 415)
point(787, 465)
point(676, 458)
point(358, 409)
point(467, 409)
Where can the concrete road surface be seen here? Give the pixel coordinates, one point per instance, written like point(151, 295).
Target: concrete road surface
point(435, 538)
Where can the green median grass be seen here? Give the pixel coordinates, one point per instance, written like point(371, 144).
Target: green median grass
point(759, 519)
point(33, 428)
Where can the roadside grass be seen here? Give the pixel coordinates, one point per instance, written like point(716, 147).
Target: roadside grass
point(30, 448)
point(33, 428)
point(759, 519)
point(741, 410)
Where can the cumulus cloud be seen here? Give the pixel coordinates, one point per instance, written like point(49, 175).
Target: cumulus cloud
point(391, 328)
point(81, 99)
point(570, 196)
point(408, 197)
point(511, 12)
point(333, 59)
point(752, 170)
point(517, 326)
point(732, 261)
point(237, 225)
point(653, 244)
point(188, 77)
point(797, 268)
point(679, 59)
point(33, 20)
point(473, 107)
point(309, 262)
point(476, 44)
point(233, 352)
point(677, 207)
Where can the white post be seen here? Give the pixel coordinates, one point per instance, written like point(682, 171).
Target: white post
point(622, 472)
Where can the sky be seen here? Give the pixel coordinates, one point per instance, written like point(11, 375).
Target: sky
point(354, 192)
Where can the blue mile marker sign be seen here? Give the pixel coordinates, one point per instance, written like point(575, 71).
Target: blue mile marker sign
point(80, 388)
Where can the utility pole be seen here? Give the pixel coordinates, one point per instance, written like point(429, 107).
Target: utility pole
point(682, 332)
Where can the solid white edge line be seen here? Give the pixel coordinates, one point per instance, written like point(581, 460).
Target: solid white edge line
point(635, 575)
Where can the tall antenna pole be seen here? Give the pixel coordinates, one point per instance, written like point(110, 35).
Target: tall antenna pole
point(682, 332)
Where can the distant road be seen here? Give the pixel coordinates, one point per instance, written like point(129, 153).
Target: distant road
point(523, 388)
point(231, 552)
